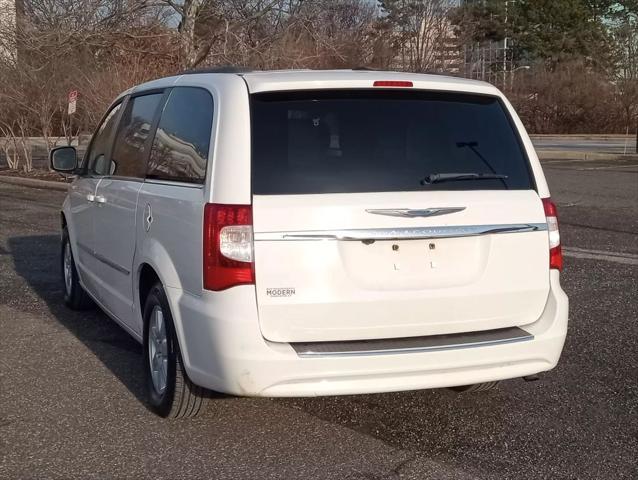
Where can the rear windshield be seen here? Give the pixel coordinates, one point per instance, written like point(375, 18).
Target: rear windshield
point(347, 141)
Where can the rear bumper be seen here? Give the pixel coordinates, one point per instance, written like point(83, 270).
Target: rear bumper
point(224, 350)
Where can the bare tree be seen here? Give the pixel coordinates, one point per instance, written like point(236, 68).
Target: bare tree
point(102, 47)
point(422, 32)
point(205, 23)
point(625, 35)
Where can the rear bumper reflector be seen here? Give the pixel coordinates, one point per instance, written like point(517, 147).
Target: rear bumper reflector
point(412, 344)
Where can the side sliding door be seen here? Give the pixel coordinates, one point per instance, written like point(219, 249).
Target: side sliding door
point(116, 200)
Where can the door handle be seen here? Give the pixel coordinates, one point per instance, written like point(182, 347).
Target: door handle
point(90, 197)
point(100, 199)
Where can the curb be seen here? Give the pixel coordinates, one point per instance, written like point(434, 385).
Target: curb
point(35, 183)
point(584, 136)
point(584, 156)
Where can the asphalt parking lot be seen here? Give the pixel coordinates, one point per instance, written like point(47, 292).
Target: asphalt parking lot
point(72, 398)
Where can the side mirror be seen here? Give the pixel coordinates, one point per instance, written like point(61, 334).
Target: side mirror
point(64, 159)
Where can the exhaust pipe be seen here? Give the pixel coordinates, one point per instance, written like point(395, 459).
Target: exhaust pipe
point(531, 378)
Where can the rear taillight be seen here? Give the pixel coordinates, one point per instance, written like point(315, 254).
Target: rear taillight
point(555, 254)
point(228, 246)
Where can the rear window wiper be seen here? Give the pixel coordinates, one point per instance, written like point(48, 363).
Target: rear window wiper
point(450, 177)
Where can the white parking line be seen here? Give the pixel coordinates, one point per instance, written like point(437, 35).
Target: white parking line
point(570, 160)
point(617, 257)
point(608, 167)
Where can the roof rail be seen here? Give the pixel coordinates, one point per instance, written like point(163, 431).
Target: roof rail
point(221, 69)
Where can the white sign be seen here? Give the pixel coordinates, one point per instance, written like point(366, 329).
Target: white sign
point(73, 99)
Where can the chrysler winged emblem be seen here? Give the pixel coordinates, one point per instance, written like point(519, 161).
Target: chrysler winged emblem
point(414, 213)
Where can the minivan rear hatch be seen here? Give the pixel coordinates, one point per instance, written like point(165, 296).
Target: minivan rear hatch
point(392, 213)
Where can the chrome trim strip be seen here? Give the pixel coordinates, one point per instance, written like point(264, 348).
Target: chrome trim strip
point(414, 213)
point(81, 246)
point(434, 343)
point(408, 233)
point(173, 183)
point(103, 259)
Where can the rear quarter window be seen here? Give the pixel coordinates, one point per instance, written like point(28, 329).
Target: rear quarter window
point(130, 150)
point(181, 143)
point(348, 141)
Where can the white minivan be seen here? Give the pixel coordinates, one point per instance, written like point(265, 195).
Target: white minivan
point(299, 233)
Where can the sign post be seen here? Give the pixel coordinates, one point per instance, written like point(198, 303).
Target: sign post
point(73, 100)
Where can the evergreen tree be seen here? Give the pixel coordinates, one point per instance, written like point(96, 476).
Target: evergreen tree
point(558, 30)
point(550, 31)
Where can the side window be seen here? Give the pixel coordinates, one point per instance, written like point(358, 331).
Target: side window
point(182, 140)
point(96, 156)
point(129, 155)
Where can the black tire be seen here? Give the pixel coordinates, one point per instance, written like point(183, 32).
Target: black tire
point(75, 297)
point(180, 398)
point(477, 387)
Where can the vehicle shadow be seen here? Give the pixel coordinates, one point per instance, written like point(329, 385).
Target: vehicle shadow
point(36, 260)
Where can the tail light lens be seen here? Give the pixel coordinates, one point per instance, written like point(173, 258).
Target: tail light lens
point(555, 254)
point(228, 246)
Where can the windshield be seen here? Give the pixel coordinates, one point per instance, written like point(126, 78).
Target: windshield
point(347, 141)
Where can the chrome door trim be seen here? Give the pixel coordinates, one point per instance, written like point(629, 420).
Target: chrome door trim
point(173, 183)
point(414, 212)
point(394, 346)
point(103, 259)
point(408, 233)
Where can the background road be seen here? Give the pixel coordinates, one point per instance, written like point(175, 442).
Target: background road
point(72, 402)
point(570, 143)
point(601, 143)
